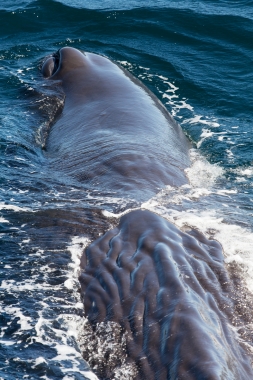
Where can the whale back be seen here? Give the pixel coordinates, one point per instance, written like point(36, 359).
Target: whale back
point(113, 133)
point(172, 297)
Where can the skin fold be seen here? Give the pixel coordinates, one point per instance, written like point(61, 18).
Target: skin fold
point(170, 292)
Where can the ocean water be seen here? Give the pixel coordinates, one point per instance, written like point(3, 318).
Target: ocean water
point(196, 56)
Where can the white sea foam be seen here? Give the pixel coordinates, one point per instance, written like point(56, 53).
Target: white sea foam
point(2, 220)
point(199, 119)
point(16, 312)
point(76, 249)
point(201, 173)
point(7, 343)
point(226, 192)
point(109, 214)
point(245, 172)
point(230, 154)
point(15, 208)
point(28, 285)
point(206, 133)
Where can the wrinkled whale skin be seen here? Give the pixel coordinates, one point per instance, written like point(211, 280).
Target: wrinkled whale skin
point(113, 133)
point(170, 292)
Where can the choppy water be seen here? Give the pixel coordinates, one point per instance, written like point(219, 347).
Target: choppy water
point(196, 56)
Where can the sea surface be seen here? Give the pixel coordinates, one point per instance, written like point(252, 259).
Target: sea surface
point(197, 57)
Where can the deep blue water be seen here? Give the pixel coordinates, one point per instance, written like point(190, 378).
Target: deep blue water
point(197, 57)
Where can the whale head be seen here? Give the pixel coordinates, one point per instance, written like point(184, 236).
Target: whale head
point(64, 60)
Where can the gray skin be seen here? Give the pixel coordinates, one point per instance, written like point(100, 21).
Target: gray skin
point(113, 134)
point(168, 290)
